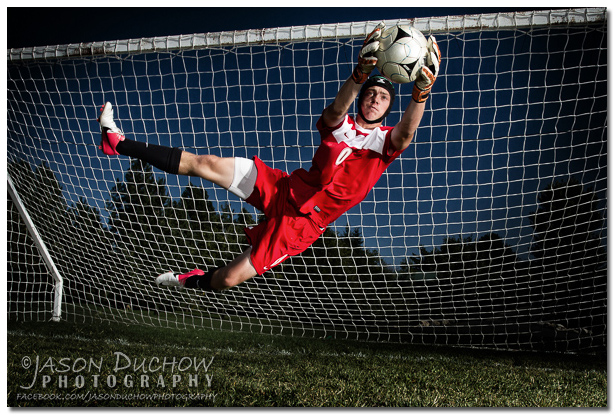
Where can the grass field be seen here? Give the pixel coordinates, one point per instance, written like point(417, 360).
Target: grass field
point(70, 364)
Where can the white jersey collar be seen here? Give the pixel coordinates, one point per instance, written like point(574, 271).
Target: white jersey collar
point(361, 129)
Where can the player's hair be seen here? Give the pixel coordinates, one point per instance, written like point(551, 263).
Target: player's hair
point(381, 81)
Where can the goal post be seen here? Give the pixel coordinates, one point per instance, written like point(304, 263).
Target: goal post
point(41, 249)
point(488, 231)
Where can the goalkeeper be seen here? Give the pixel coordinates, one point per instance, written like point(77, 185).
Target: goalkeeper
point(353, 154)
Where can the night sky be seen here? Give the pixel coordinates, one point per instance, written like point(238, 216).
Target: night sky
point(43, 26)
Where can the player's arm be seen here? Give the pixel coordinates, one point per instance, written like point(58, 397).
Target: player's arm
point(402, 134)
point(337, 110)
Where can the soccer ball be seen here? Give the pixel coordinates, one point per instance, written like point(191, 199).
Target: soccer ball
point(401, 53)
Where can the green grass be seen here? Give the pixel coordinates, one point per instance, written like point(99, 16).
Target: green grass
point(264, 370)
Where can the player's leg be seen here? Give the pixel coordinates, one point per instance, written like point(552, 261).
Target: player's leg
point(217, 170)
point(237, 271)
point(236, 174)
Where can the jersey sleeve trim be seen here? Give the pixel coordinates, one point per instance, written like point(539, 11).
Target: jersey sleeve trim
point(325, 130)
point(388, 150)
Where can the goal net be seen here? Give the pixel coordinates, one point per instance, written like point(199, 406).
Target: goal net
point(488, 231)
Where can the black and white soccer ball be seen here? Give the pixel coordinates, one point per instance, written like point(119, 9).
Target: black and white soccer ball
point(401, 53)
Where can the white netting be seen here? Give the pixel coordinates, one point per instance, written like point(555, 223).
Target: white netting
point(490, 230)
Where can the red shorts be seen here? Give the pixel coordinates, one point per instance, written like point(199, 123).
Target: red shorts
point(285, 232)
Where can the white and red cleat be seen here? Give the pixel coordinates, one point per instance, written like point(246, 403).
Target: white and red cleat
point(169, 279)
point(111, 134)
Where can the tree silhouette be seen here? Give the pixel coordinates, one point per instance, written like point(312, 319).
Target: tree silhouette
point(470, 274)
point(137, 216)
point(200, 236)
point(91, 247)
point(192, 221)
point(465, 258)
point(41, 193)
point(462, 279)
point(569, 259)
point(566, 229)
point(334, 256)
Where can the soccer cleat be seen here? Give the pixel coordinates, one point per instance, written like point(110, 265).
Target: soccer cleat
point(169, 279)
point(111, 134)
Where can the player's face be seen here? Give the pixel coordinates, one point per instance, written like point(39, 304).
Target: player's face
point(376, 101)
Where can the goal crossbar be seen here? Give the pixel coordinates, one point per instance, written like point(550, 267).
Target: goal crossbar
point(312, 33)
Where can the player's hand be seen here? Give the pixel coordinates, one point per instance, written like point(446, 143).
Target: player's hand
point(428, 72)
point(367, 61)
point(434, 57)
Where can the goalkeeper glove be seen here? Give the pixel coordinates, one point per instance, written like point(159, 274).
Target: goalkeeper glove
point(367, 60)
point(428, 72)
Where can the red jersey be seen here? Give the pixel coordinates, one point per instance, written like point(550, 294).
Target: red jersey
point(346, 166)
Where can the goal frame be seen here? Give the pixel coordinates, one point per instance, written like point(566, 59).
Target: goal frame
point(281, 35)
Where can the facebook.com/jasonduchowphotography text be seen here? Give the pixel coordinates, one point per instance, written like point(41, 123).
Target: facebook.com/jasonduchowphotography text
point(116, 377)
